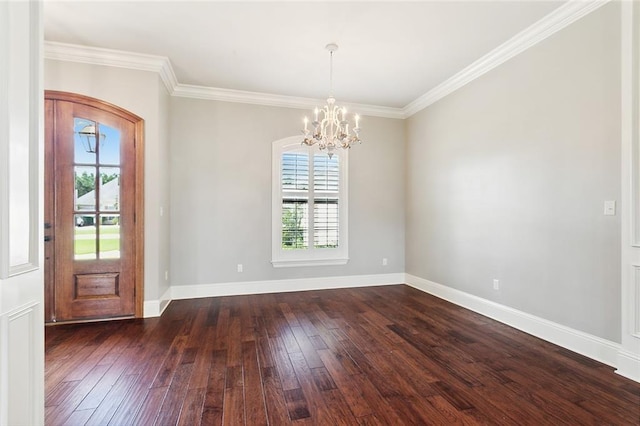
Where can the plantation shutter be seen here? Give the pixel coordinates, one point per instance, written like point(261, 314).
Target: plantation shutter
point(326, 191)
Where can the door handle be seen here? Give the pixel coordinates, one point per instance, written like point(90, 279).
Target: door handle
point(47, 238)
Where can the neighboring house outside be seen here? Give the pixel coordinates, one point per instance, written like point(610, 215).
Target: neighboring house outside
point(109, 201)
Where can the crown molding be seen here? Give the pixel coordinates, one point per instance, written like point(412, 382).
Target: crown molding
point(268, 99)
point(113, 58)
point(560, 18)
point(162, 65)
point(544, 28)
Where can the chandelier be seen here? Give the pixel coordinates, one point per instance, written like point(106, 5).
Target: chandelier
point(331, 131)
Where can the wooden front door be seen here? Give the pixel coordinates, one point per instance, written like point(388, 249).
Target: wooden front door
point(93, 193)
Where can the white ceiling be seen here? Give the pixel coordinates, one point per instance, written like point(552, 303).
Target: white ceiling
point(391, 53)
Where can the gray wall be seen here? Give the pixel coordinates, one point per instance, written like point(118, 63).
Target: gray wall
point(506, 179)
point(221, 194)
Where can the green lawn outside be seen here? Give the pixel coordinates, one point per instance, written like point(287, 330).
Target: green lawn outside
point(104, 229)
point(89, 246)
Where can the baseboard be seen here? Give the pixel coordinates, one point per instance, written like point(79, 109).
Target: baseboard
point(281, 286)
point(155, 308)
point(585, 344)
point(151, 309)
point(628, 365)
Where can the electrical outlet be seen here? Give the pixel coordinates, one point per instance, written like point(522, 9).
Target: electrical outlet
point(166, 275)
point(385, 261)
point(240, 268)
point(496, 284)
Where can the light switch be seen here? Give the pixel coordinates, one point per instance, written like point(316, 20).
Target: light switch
point(610, 208)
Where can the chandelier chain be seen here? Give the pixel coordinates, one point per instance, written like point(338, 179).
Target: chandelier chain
point(331, 74)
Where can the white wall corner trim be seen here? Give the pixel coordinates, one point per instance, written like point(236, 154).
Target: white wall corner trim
point(585, 344)
point(560, 18)
point(281, 286)
point(155, 308)
point(113, 58)
point(151, 309)
point(628, 365)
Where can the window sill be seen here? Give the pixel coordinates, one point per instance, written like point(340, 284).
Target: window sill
point(308, 262)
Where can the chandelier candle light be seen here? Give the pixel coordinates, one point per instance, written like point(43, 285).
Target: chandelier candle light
point(333, 130)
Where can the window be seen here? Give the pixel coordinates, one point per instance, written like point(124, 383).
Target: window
point(309, 205)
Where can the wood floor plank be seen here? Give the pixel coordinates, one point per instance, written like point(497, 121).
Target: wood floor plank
point(65, 370)
point(191, 412)
point(65, 408)
point(274, 399)
point(283, 363)
point(176, 394)
point(388, 355)
point(296, 403)
point(79, 417)
point(102, 388)
point(350, 388)
point(254, 406)
point(201, 343)
point(212, 409)
point(59, 393)
point(233, 403)
point(168, 369)
point(234, 345)
point(137, 392)
point(150, 407)
point(306, 347)
point(382, 411)
point(316, 402)
point(107, 408)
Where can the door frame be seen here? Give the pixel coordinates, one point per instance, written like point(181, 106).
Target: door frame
point(139, 185)
point(628, 363)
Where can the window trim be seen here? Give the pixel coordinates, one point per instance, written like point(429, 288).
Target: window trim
point(310, 256)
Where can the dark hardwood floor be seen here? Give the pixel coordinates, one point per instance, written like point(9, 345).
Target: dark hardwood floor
point(382, 355)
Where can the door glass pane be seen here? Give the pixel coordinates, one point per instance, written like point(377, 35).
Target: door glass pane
point(110, 236)
point(84, 141)
point(84, 239)
point(109, 188)
point(85, 186)
point(109, 145)
point(96, 190)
